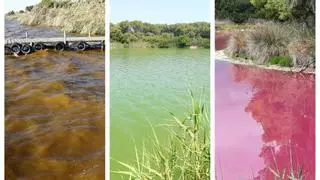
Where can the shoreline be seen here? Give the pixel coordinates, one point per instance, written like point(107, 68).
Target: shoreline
point(221, 56)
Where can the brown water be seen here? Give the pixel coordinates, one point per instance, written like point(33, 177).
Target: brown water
point(54, 115)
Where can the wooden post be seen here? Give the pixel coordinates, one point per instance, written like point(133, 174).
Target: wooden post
point(64, 37)
point(26, 35)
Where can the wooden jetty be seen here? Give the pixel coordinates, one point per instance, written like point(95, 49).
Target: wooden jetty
point(28, 45)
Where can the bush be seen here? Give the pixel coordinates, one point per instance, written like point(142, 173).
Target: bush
point(47, 3)
point(236, 10)
point(302, 53)
point(270, 39)
point(183, 41)
point(29, 8)
point(237, 43)
point(283, 61)
point(283, 44)
point(11, 13)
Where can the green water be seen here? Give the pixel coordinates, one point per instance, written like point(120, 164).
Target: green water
point(147, 84)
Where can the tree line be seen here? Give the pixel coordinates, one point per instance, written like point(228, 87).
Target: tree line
point(162, 35)
point(279, 10)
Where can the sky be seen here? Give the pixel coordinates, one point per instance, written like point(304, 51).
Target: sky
point(160, 11)
point(18, 4)
point(153, 11)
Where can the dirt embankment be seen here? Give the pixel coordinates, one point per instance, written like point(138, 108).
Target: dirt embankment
point(81, 16)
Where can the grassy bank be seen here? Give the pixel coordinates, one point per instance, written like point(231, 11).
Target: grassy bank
point(186, 154)
point(283, 44)
point(79, 17)
point(147, 35)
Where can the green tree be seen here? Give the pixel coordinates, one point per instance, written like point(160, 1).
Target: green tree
point(286, 9)
point(183, 41)
point(235, 10)
point(273, 9)
point(115, 33)
point(128, 37)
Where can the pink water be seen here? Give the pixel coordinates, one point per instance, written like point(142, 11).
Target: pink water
point(264, 120)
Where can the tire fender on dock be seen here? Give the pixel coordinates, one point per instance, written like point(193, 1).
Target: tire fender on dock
point(26, 49)
point(82, 46)
point(60, 46)
point(39, 46)
point(16, 48)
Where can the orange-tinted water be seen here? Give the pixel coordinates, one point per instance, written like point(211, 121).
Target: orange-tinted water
point(54, 116)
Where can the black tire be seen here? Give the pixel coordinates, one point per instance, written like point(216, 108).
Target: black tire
point(60, 46)
point(39, 46)
point(26, 49)
point(16, 48)
point(82, 46)
point(7, 49)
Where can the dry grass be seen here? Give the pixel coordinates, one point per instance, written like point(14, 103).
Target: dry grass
point(272, 39)
point(82, 17)
point(237, 43)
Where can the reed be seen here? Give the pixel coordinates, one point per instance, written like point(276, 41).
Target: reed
point(185, 156)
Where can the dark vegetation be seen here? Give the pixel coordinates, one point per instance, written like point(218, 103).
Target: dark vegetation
point(237, 11)
point(10, 13)
point(240, 11)
point(29, 8)
point(286, 36)
point(137, 33)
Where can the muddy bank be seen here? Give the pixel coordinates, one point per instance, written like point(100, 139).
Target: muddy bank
point(79, 17)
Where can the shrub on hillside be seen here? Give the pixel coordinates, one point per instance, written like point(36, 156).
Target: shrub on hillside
point(47, 3)
point(267, 40)
point(11, 13)
point(29, 8)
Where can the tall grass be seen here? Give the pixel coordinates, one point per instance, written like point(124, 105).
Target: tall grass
point(185, 156)
point(272, 39)
point(268, 40)
point(75, 17)
point(237, 44)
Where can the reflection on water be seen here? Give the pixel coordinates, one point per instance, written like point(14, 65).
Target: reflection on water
point(271, 116)
point(221, 40)
point(54, 122)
